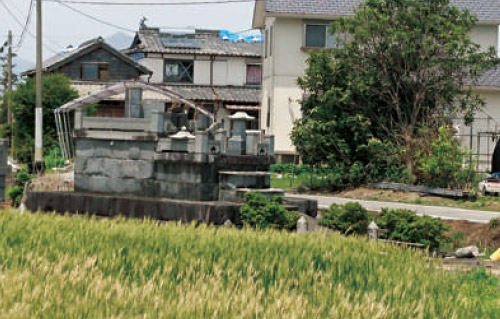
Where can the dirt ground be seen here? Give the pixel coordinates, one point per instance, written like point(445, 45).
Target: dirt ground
point(55, 182)
point(481, 235)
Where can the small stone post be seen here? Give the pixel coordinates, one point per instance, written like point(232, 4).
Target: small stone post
point(157, 121)
point(78, 119)
point(372, 231)
point(201, 142)
point(269, 139)
point(252, 142)
point(302, 226)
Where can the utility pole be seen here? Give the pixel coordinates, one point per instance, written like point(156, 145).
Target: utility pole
point(38, 112)
point(9, 79)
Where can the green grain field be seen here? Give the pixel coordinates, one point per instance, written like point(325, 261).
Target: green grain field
point(69, 267)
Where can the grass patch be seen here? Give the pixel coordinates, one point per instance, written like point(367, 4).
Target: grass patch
point(65, 267)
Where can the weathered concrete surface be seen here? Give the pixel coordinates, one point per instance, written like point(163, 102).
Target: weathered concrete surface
point(136, 168)
point(215, 213)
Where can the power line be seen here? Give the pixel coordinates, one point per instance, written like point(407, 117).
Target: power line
point(93, 18)
point(12, 14)
point(22, 26)
point(180, 3)
point(26, 26)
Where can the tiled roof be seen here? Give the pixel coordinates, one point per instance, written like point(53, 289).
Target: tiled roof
point(231, 94)
point(484, 9)
point(200, 93)
point(64, 57)
point(209, 43)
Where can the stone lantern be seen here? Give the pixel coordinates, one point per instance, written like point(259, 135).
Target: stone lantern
point(372, 231)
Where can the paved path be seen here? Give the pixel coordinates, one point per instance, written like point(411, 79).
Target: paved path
point(475, 216)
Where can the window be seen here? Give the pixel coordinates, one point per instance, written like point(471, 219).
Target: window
point(178, 71)
point(253, 74)
point(317, 36)
point(94, 71)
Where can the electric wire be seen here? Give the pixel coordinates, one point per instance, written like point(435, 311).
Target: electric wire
point(94, 18)
point(22, 26)
point(180, 3)
point(26, 26)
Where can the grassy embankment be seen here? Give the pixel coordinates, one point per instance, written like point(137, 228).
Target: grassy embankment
point(66, 267)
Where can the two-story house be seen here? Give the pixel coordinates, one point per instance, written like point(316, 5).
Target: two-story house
point(204, 66)
point(93, 65)
point(293, 27)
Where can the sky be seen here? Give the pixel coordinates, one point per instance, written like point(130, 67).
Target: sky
point(62, 27)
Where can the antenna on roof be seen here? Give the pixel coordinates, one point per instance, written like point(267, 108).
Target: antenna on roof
point(143, 23)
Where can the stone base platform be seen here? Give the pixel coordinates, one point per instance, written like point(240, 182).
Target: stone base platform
point(215, 213)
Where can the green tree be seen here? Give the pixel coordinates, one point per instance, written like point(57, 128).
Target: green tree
point(56, 92)
point(403, 65)
point(446, 164)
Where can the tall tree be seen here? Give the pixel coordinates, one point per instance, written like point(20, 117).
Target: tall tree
point(57, 91)
point(402, 67)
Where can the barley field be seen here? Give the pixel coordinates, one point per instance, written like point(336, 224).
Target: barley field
point(68, 267)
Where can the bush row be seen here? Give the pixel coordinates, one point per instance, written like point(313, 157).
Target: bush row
point(397, 224)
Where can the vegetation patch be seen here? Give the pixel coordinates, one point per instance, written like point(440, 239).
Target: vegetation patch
point(397, 224)
point(351, 218)
point(261, 212)
point(16, 192)
point(66, 267)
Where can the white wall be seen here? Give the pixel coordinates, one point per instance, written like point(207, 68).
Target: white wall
point(281, 69)
point(202, 72)
point(155, 65)
point(287, 62)
point(227, 71)
point(237, 71)
point(485, 35)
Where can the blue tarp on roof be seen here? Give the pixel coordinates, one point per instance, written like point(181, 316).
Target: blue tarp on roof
point(240, 37)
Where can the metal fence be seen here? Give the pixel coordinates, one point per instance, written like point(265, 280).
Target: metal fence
point(480, 137)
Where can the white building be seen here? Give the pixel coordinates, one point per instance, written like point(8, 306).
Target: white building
point(222, 75)
point(293, 27)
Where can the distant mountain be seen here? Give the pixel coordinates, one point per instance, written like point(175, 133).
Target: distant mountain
point(119, 40)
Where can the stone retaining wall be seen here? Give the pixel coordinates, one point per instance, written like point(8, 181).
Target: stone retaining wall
point(135, 168)
point(215, 213)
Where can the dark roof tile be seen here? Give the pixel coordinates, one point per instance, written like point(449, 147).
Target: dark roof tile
point(486, 10)
point(61, 58)
point(209, 43)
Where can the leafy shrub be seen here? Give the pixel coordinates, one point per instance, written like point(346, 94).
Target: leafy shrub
point(16, 193)
point(54, 158)
point(495, 223)
point(457, 238)
point(352, 218)
point(261, 212)
point(447, 165)
point(405, 225)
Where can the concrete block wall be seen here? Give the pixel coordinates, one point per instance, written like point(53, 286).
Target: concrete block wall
point(123, 167)
point(134, 167)
point(186, 180)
